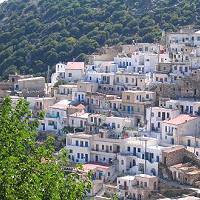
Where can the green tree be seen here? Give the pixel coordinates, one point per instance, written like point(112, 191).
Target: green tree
point(29, 170)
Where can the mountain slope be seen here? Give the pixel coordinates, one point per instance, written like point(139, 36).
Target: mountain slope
point(38, 33)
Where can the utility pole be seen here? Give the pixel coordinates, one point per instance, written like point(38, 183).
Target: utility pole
point(195, 140)
point(145, 152)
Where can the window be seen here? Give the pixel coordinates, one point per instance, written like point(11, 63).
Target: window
point(147, 96)
point(78, 155)
point(128, 149)
point(145, 184)
point(77, 143)
point(118, 125)
point(102, 147)
point(91, 119)
point(128, 97)
point(70, 151)
point(86, 144)
point(70, 75)
point(139, 149)
point(167, 115)
point(108, 173)
point(158, 114)
point(122, 162)
point(158, 124)
point(186, 69)
point(81, 143)
point(82, 156)
point(117, 80)
point(110, 148)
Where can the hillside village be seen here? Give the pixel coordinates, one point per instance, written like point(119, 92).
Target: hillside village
point(131, 115)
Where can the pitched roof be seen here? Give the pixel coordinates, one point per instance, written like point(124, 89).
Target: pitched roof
point(180, 119)
point(75, 65)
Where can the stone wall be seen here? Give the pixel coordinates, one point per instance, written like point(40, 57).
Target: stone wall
point(173, 156)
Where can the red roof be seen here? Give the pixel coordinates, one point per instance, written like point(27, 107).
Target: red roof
point(75, 65)
point(180, 119)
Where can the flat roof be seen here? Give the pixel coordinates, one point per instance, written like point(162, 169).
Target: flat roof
point(95, 166)
point(145, 176)
point(129, 177)
point(173, 148)
point(163, 108)
point(80, 135)
point(182, 100)
point(80, 115)
point(138, 91)
point(180, 119)
point(45, 98)
point(67, 86)
point(31, 78)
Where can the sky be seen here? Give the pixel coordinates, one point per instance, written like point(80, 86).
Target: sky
point(2, 1)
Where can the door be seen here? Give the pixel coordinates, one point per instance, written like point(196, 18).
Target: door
point(43, 127)
point(163, 115)
point(96, 158)
point(86, 157)
point(125, 185)
point(134, 151)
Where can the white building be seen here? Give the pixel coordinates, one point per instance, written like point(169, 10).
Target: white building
point(184, 36)
point(183, 125)
point(65, 92)
point(184, 106)
point(79, 147)
point(55, 115)
point(140, 155)
point(118, 123)
point(38, 104)
point(77, 120)
point(141, 62)
point(137, 187)
point(70, 72)
point(155, 116)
